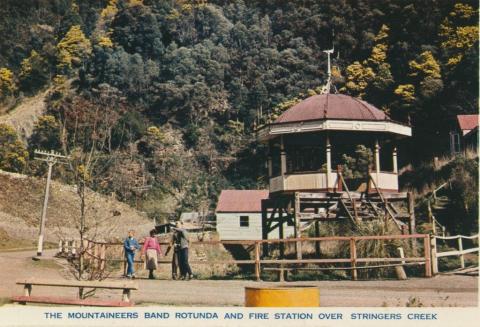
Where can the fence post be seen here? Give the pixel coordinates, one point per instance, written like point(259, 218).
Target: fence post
point(281, 276)
point(399, 270)
point(95, 255)
point(427, 253)
point(257, 261)
point(73, 249)
point(353, 258)
point(102, 256)
point(60, 247)
point(83, 249)
point(460, 248)
point(67, 247)
point(433, 246)
point(411, 220)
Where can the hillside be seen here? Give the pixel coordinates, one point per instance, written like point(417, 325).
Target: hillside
point(169, 93)
point(25, 114)
point(21, 200)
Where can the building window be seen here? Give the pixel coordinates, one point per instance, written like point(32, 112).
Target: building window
point(243, 221)
point(454, 142)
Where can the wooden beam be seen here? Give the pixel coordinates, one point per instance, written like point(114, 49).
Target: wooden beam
point(257, 261)
point(297, 227)
point(264, 226)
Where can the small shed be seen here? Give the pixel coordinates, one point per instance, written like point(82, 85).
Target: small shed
point(239, 215)
point(464, 133)
point(190, 217)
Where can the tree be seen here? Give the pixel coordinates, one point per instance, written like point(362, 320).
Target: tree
point(359, 165)
point(13, 155)
point(152, 141)
point(46, 134)
point(374, 72)
point(7, 83)
point(73, 49)
point(457, 35)
point(34, 72)
point(406, 92)
point(426, 71)
point(86, 135)
point(359, 78)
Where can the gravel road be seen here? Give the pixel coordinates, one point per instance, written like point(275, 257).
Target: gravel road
point(439, 291)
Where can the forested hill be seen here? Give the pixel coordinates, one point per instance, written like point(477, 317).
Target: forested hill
point(168, 93)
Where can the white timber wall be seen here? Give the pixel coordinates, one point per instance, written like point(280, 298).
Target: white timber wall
point(228, 227)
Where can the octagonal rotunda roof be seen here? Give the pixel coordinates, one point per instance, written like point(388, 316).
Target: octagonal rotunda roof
point(334, 112)
point(331, 106)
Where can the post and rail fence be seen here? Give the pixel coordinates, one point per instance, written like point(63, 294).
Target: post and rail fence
point(460, 252)
point(95, 254)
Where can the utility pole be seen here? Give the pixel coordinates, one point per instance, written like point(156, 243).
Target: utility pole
point(140, 190)
point(51, 158)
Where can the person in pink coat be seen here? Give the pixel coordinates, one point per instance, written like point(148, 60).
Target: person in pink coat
point(151, 250)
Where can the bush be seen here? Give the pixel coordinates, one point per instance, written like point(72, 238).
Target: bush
point(13, 155)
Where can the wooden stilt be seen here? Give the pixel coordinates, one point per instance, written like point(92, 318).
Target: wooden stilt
point(317, 234)
point(257, 261)
point(265, 227)
point(298, 233)
point(280, 234)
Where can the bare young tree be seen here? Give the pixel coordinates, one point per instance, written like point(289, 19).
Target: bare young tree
point(86, 137)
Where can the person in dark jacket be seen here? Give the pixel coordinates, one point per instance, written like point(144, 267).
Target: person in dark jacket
point(175, 264)
point(130, 245)
point(181, 243)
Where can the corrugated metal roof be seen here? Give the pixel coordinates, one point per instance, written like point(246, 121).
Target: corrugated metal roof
point(331, 106)
point(241, 200)
point(467, 122)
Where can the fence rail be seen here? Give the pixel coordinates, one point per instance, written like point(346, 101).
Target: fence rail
point(460, 252)
point(94, 252)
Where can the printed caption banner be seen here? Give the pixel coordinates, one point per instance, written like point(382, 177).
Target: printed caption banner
point(186, 316)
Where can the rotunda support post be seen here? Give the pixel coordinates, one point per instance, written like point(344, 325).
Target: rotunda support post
point(377, 157)
point(328, 148)
point(395, 163)
point(283, 157)
point(377, 163)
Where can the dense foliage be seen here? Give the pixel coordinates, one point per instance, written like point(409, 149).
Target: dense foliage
point(188, 81)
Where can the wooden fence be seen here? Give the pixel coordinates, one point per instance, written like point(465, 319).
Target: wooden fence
point(460, 252)
point(95, 254)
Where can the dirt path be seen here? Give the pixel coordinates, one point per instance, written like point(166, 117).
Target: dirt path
point(24, 116)
point(442, 290)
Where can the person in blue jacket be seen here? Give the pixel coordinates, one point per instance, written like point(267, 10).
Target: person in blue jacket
point(129, 246)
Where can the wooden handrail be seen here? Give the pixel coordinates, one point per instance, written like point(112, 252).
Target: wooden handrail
point(340, 175)
point(386, 204)
point(456, 236)
point(460, 252)
point(376, 187)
